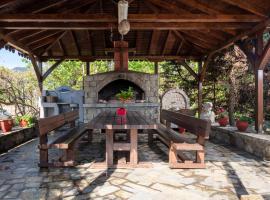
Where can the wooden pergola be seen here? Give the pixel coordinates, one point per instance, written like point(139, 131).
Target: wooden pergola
point(176, 30)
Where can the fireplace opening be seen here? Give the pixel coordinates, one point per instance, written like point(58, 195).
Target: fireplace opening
point(108, 92)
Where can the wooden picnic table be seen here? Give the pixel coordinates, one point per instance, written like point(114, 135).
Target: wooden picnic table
point(110, 121)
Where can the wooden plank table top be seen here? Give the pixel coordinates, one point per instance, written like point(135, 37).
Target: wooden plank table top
point(110, 120)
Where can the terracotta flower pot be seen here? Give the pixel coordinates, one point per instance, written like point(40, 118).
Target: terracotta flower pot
point(6, 125)
point(121, 111)
point(181, 130)
point(242, 125)
point(223, 121)
point(23, 123)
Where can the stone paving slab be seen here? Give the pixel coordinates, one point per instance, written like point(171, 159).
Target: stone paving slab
point(230, 173)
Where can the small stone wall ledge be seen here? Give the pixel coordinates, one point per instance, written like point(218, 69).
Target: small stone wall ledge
point(256, 144)
point(16, 137)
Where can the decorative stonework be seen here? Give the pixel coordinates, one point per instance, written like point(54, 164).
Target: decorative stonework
point(147, 82)
point(175, 99)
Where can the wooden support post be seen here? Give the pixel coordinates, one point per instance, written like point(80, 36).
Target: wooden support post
point(200, 91)
point(258, 84)
point(40, 82)
point(259, 100)
point(156, 67)
point(87, 68)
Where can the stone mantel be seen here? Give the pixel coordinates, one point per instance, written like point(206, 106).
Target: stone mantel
point(117, 105)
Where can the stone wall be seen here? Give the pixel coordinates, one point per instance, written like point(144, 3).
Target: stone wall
point(16, 137)
point(253, 143)
point(147, 82)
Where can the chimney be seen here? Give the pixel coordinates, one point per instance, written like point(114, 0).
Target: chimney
point(120, 56)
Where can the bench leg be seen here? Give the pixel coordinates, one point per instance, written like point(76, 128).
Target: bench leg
point(43, 158)
point(109, 147)
point(172, 156)
point(90, 135)
point(200, 156)
point(150, 137)
point(134, 146)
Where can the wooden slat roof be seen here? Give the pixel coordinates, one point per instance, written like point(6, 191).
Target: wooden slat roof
point(160, 30)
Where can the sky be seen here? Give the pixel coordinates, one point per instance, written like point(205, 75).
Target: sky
point(10, 60)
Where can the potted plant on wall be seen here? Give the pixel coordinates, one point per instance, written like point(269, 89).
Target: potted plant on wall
point(124, 96)
point(222, 117)
point(6, 121)
point(26, 120)
point(243, 122)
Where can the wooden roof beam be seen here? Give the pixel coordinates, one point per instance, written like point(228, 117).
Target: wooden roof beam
point(92, 58)
point(157, 17)
point(134, 26)
point(246, 5)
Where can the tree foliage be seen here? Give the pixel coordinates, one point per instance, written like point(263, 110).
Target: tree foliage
point(20, 90)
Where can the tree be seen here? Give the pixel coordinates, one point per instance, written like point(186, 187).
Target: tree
point(20, 90)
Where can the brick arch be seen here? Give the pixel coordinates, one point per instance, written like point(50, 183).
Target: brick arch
point(128, 77)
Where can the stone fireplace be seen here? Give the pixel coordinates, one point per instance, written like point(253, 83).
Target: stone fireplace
point(100, 95)
point(101, 89)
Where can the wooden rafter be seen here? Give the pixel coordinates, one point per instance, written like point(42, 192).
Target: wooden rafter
point(53, 43)
point(166, 43)
point(246, 5)
point(75, 40)
point(91, 43)
point(18, 45)
point(62, 48)
point(259, 27)
point(200, 6)
point(154, 42)
point(180, 47)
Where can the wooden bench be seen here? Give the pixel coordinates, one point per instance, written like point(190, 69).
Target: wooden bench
point(178, 143)
point(65, 142)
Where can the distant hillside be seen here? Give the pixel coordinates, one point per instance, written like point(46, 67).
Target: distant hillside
point(19, 69)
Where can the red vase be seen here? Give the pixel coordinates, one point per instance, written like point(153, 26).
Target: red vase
point(242, 125)
point(23, 123)
point(6, 125)
point(223, 121)
point(181, 130)
point(121, 111)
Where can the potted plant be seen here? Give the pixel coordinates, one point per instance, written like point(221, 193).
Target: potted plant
point(6, 121)
point(242, 123)
point(26, 120)
point(124, 96)
point(222, 117)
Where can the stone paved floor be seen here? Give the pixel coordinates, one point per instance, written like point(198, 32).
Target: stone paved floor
point(229, 174)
